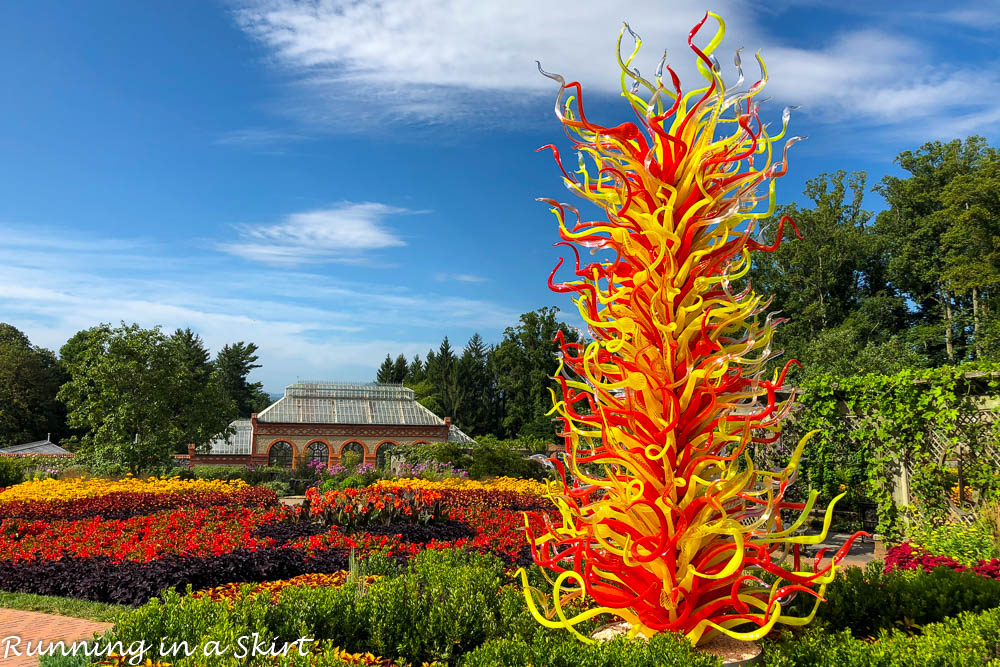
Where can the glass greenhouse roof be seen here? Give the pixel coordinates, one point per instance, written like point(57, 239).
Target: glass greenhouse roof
point(237, 443)
point(346, 403)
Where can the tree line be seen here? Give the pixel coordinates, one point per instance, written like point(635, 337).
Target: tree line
point(124, 393)
point(500, 390)
point(916, 285)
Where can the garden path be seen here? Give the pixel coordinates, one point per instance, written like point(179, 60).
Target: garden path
point(31, 626)
point(862, 551)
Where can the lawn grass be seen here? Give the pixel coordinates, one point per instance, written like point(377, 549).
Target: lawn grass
point(92, 611)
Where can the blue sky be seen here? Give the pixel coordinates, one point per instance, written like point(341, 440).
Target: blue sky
point(337, 180)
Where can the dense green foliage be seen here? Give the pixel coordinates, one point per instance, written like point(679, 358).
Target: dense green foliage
point(867, 600)
point(460, 608)
point(563, 650)
point(489, 457)
point(445, 604)
point(889, 419)
point(232, 366)
point(30, 377)
point(16, 469)
point(139, 396)
point(968, 640)
point(914, 286)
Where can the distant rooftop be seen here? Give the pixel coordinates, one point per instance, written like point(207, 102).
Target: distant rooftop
point(37, 447)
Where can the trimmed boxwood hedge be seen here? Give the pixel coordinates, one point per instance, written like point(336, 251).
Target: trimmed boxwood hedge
point(969, 639)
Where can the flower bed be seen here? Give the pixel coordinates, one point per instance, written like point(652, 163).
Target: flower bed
point(70, 499)
point(504, 484)
point(385, 505)
point(75, 489)
point(131, 559)
point(906, 557)
point(238, 590)
point(186, 532)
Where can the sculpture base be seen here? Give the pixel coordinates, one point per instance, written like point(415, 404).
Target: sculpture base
point(733, 652)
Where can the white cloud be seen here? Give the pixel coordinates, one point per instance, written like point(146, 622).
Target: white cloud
point(459, 277)
point(448, 60)
point(874, 77)
point(341, 233)
point(306, 324)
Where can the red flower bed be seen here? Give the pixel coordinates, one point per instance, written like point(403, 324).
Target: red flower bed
point(217, 530)
point(374, 504)
point(129, 560)
point(905, 557)
point(186, 532)
point(126, 504)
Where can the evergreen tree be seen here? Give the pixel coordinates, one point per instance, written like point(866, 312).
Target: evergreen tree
point(385, 371)
point(525, 362)
point(416, 371)
point(481, 408)
point(194, 353)
point(399, 369)
point(233, 364)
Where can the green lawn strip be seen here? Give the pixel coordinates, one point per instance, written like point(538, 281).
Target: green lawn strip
point(48, 604)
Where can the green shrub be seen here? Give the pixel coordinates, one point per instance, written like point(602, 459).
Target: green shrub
point(219, 472)
point(249, 474)
point(563, 650)
point(970, 639)
point(169, 470)
point(280, 488)
point(11, 471)
point(867, 600)
point(444, 605)
point(350, 459)
point(350, 482)
point(495, 459)
point(77, 471)
point(490, 458)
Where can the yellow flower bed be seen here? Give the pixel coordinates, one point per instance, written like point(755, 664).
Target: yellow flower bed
point(76, 489)
point(510, 484)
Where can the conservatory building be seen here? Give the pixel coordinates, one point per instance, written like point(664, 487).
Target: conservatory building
point(321, 421)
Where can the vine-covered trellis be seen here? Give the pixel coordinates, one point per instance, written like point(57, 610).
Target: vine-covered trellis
point(925, 438)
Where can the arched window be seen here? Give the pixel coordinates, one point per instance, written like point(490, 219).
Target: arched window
point(280, 455)
point(355, 448)
point(382, 454)
point(318, 451)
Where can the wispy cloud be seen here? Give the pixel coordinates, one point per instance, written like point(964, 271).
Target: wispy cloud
point(340, 233)
point(339, 329)
point(447, 59)
point(984, 15)
point(259, 139)
point(444, 59)
point(878, 78)
point(458, 277)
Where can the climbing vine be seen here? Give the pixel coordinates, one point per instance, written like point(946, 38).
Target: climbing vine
point(871, 425)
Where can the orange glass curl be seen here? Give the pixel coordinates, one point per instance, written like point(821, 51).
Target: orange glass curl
point(667, 523)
